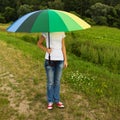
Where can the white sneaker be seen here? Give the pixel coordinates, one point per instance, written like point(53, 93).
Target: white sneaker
point(60, 105)
point(50, 106)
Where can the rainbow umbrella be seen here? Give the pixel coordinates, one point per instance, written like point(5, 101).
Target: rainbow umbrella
point(48, 20)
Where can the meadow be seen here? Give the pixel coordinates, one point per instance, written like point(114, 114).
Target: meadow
point(91, 83)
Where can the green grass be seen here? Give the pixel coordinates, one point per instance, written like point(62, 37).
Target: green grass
point(98, 45)
point(18, 43)
point(96, 82)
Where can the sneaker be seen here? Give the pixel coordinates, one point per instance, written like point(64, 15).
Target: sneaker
point(60, 105)
point(50, 106)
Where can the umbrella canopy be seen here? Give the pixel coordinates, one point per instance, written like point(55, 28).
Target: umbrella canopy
point(48, 20)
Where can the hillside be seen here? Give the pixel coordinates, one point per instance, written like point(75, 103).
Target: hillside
point(23, 94)
point(23, 85)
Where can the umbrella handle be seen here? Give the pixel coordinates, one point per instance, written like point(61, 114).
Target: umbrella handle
point(49, 46)
point(49, 59)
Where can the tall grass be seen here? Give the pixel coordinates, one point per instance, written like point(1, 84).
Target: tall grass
point(101, 47)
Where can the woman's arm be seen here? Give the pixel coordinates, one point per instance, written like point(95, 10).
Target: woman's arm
point(64, 53)
point(40, 45)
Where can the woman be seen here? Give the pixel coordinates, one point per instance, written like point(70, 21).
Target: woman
point(58, 60)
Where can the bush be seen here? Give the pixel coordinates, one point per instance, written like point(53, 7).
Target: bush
point(24, 9)
point(9, 14)
point(90, 21)
point(2, 19)
point(29, 39)
point(103, 14)
point(101, 20)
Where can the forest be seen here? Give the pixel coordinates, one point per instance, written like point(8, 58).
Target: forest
point(95, 12)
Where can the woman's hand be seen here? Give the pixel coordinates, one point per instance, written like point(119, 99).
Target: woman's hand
point(48, 50)
point(65, 64)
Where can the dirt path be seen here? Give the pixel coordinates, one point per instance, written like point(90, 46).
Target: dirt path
point(23, 87)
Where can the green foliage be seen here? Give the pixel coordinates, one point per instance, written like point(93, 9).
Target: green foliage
point(103, 14)
point(117, 7)
point(112, 2)
point(100, 12)
point(2, 19)
point(98, 47)
point(24, 9)
point(90, 21)
point(57, 4)
point(9, 14)
point(20, 44)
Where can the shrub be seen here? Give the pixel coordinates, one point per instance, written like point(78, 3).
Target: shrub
point(9, 14)
point(24, 9)
point(2, 19)
point(29, 38)
point(90, 21)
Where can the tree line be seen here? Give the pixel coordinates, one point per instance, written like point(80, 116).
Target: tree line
point(100, 12)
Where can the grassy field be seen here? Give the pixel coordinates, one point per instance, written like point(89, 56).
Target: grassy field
point(100, 46)
point(89, 89)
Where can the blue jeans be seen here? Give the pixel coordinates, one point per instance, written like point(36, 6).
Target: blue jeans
point(53, 72)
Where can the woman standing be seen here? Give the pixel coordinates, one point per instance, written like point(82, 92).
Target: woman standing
point(58, 60)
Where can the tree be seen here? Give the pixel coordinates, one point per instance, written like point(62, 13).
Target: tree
point(24, 9)
point(57, 4)
point(34, 3)
point(79, 6)
point(3, 4)
point(111, 16)
point(98, 13)
point(73, 5)
point(104, 15)
point(2, 18)
point(117, 8)
point(9, 14)
point(111, 2)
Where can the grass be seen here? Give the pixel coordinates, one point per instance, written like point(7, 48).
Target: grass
point(100, 46)
point(90, 91)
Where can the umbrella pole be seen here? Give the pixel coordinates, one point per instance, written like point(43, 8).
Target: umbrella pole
point(49, 44)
